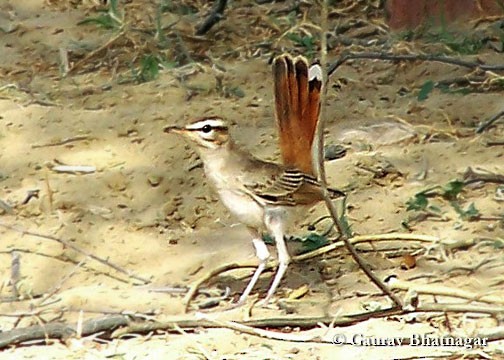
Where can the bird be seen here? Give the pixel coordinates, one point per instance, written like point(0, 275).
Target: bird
point(264, 195)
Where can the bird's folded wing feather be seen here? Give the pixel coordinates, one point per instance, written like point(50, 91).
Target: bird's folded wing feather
point(291, 187)
point(278, 189)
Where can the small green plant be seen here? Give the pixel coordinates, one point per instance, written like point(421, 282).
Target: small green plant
point(497, 244)
point(313, 241)
point(177, 7)
point(449, 192)
point(431, 32)
point(108, 19)
point(463, 45)
point(469, 214)
point(430, 85)
point(307, 42)
point(233, 91)
point(147, 70)
point(425, 90)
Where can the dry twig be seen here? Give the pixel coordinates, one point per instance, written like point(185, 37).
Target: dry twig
point(95, 52)
point(318, 162)
point(193, 288)
point(486, 124)
point(470, 176)
point(442, 290)
point(119, 325)
point(62, 142)
point(216, 15)
point(79, 250)
point(411, 57)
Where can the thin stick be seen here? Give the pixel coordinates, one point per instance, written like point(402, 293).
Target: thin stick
point(318, 162)
point(193, 289)
point(492, 334)
point(242, 328)
point(58, 286)
point(65, 259)
point(62, 142)
point(50, 193)
point(216, 15)
point(307, 322)
point(441, 290)
point(60, 330)
point(486, 124)
point(95, 52)
point(203, 351)
point(364, 239)
point(470, 176)
point(79, 250)
point(411, 57)
point(15, 272)
point(123, 324)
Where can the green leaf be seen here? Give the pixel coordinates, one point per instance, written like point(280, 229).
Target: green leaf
point(417, 203)
point(313, 241)
point(498, 244)
point(149, 68)
point(471, 213)
point(111, 19)
point(268, 239)
point(452, 189)
point(307, 42)
point(445, 89)
point(434, 208)
point(295, 38)
point(235, 91)
point(114, 10)
point(426, 89)
point(103, 20)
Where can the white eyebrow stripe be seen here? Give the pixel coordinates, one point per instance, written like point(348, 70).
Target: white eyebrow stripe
point(315, 72)
point(212, 122)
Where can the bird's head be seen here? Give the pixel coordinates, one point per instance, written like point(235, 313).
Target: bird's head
point(207, 133)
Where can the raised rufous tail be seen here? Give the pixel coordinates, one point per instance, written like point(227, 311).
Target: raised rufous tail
point(297, 99)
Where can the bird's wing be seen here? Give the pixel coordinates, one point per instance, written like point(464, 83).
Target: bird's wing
point(278, 189)
point(291, 187)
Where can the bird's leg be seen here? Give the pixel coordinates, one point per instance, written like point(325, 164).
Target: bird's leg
point(275, 223)
point(263, 254)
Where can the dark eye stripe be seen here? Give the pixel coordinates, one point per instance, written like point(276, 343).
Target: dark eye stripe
point(216, 128)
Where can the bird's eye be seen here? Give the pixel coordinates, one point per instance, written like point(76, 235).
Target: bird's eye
point(206, 129)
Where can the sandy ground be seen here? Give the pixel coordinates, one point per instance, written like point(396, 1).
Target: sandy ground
point(149, 209)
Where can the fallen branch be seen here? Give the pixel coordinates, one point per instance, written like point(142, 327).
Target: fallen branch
point(65, 259)
point(486, 124)
point(470, 176)
point(411, 57)
point(62, 142)
point(95, 52)
point(216, 15)
point(60, 330)
point(120, 325)
point(492, 334)
point(442, 290)
point(193, 288)
point(318, 162)
point(74, 169)
point(359, 239)
point(58, 286)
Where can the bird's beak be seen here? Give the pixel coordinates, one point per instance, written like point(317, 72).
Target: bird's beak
point(173, 129)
